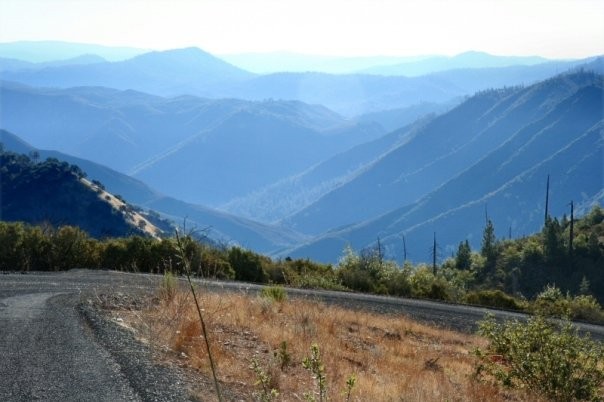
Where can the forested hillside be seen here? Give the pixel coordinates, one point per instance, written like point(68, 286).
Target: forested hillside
point(54, 193)
point(493, 152)
point(221, 227)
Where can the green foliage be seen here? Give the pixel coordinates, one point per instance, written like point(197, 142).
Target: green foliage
point(283, 356)
point(168, 286)
point(552, 302)
point(463, 259)
point(303, 273)
point(314, 364)
point(350, 383)
point(247, 265)
point(514, 267)
point(52, 191)
point(274, 293)
point(489, 243)
point(553, 245)
point(368, 272)
point(560, 365)
point(424, 284)
point(264, 380)
point(494, 298)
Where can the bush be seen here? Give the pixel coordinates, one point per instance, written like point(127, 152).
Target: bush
point(424, 284)
point(560, 365)
point(552, 302)
point(247, 265)
point(274, 293)
point(494, 298)
point(168, 286)
point(586, 307)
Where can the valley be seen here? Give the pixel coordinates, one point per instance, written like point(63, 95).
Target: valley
point(283, 176)
point(286, 201)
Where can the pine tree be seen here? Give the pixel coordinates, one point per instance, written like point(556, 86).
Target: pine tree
point(489, 242)
point(463, 259)
point(552, 242)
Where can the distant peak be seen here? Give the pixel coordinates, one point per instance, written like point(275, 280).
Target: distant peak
point(189, 53)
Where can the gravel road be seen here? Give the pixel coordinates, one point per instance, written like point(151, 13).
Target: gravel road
point(54, 346)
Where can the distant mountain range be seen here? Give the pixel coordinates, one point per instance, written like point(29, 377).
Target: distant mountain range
point(195, 72)
point(268, 63)
point(273, 62)
point(493, 153)
point(7, 64)
point(467, 60)
point(173, 72)
point(203, 151)
point(49, 51)
point(278, 62)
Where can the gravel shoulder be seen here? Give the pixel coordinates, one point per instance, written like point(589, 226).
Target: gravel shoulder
point(47, 354)
point(58, 345)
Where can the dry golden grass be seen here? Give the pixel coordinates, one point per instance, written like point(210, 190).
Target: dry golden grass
point(133, 217)
point(393, 358)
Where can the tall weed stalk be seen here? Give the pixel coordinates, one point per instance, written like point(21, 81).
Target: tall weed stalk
point(187, 271)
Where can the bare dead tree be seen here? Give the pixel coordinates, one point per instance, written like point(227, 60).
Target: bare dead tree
point(434, 255)
point(404, 250)
point(380, 254)
point(570, 240)
point(546, 201)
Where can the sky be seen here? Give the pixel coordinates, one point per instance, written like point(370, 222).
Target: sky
point(551, 28)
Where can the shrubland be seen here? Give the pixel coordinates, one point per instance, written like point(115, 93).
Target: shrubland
point(272, 348)
point(540, 273)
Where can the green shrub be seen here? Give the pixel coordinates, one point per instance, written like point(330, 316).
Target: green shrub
point(247, 265)
point(494, 298)
point(586, 307)
point(314, 364)
point(317, 282)
point(552, 302)
point(274, 293)
point(267, 390)
point(424, 284)
point(168, 286)
point(557, 364)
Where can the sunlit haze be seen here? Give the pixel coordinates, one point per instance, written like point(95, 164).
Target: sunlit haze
point(551, 28)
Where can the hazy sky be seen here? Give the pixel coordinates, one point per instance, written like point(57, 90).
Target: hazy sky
point(551, 28)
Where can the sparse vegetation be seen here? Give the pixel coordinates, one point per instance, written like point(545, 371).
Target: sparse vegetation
point(364, 356)
point(314, 364)
point(495, 298)
point(168, 287)
point(274, 293)
point(504, 275)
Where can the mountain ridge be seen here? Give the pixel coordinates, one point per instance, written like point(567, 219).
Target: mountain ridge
point(512, 174)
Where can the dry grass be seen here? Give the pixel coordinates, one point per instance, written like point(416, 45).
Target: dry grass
point(393, 358)
point(133, 217)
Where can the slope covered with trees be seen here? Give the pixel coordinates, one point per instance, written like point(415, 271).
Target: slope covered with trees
point(502, 168)
point(52, 192)
point(219, 226)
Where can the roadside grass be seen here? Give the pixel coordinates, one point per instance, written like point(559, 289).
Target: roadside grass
point(392, 358)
